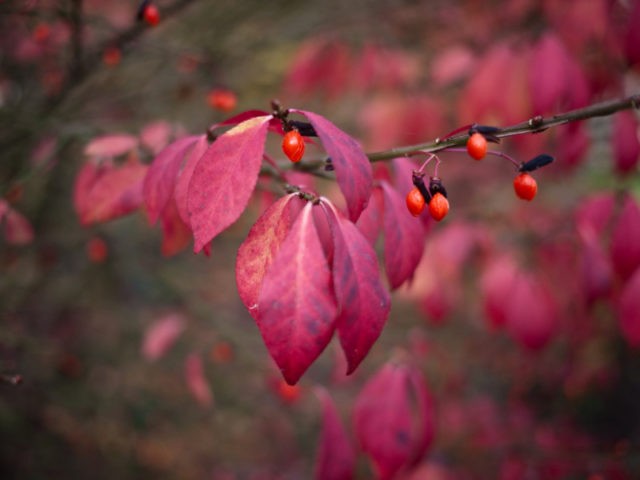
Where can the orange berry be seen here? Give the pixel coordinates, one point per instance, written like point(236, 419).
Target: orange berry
point(477, 146)
point(415, 202)
point(525, 186)
point(438, 207)
point(293, 145)
point(222, 99)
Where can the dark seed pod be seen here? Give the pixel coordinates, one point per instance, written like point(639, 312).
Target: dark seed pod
point(535, 163)
point(488, 132)
point(141, 9)
point(435, 186)
point(305, 128)
point(418, 182)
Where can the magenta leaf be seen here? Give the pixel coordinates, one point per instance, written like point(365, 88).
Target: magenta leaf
point(353, 169)
point(176, 234)
point(548, 74)
point(370, 221)
point(391, 420)
point(625, 248)
point(626, 146)
point(257, 252)
point(363, 302)
point(336, 458)
point(155, 136)
point(595, 267)
point(297, 310)
point(160, 180)
point(629, 310)
point(181, 189)
point(495, 285)
point(110, 145)
point(224, 179)
point(403, 238)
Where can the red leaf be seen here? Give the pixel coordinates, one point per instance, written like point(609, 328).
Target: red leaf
point(297, 308)
point(626, 146)
point(110, 145)
point(161, 178)
point(629, 310)
point(403, 238)
point(548, 74)
point(184, 177)
point(176, 234)
point(595, 267)
point(17, 229)
point(224, 179)
point(109, 192)
point(336, 458)
point(353, 169)
point(161, 335)
point(196, 380)
point(393, 419)
point(625, 248)
point(370, 221)
point(363, 302)
point(257, 252)
point(632, 35)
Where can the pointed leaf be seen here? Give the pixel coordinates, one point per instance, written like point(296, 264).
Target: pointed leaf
point(383, 421)
point(625, 248)
point(224, 179)
point(181, 189)
point(257, 252)
point(370, 221)
point(297, 307)
point(110, 145)
point(353, 169)
point(160, 180)
point(160, 336)
point(336, 458)
point(363, 302)
point(196, 380)
point(403, 238)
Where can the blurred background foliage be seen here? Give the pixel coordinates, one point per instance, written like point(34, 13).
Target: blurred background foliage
point(75, 303)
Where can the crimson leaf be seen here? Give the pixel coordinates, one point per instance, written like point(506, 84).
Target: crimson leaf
point(257, 252)
point(224, 179)
point(353, 169)
point(363, 301)
point(297, 309)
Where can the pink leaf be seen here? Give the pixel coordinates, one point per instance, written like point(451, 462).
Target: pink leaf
point(403, 238)
point(595, 212)
point(114, 192)
point(548, 74)
point(160, 181)
point(626, 145)
point(110, 145)
point(297, 308)
point(391, 429)
point(595, 267)
point(496, 284)
point(625, 248)
point(239, 118)
point(257, 252)
point(352, 167)
point(181, 189)
point(155, 136)
point(363, 302)
point(176, 234)
point(632, 35)
point(196, 380)
point(629, 310)
point(17, 229)
point(161, 336)
point(370, 221)
point(336, 458)
point(224, 179)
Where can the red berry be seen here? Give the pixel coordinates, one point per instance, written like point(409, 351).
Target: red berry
point(222, 99)
point(525, 186)
point(438, 207)
point(97, 250)
point(477, 146)
point(151, 15)
point(111, 56)
point(293, 145)
point(415, 202)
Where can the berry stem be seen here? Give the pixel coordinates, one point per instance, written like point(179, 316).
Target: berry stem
point(495, 153)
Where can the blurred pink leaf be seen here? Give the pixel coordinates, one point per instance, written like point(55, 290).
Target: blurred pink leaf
point(363, 302)
point(625, 248)
point(573, 144)
point(548, 74)
point(196, 380)
point(595, 267)
point(155, 136)
point(107, 192)
point(161, 335)
point(496, 284)
point(452, 64)
point(352, 168)
point(259, 249)
point(629, 310)
point(17, 229)
point(595, 212)
point(160, 181)
point(297, 310)
point(224, 179)
point(392, 430)
point(626, 145)
point(403, 238)
point(632, 35)
point(336, 458)
point(111, 145)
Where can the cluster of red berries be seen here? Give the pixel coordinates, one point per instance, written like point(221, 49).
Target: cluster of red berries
point(435, 196)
